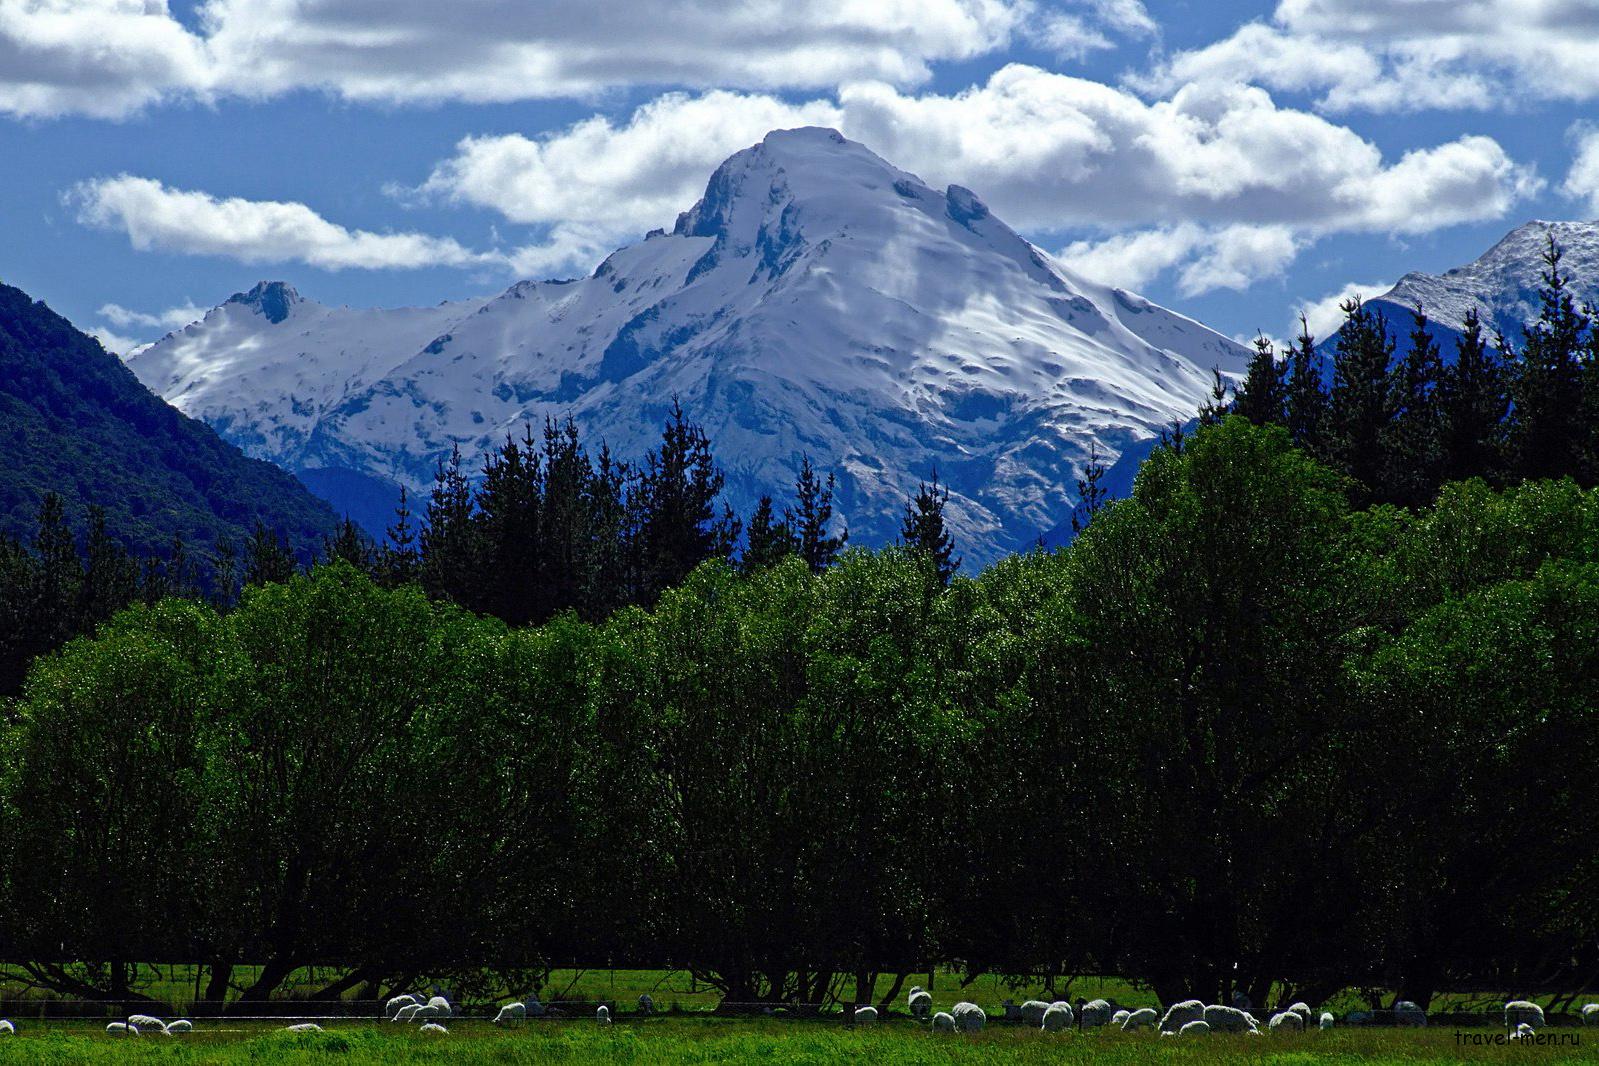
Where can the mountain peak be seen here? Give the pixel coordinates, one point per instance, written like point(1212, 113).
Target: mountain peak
point(271, 299)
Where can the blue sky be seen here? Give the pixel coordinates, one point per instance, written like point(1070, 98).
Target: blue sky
point(1232, 160)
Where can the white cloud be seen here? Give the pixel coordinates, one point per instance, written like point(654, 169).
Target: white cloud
point(253, 231)
point(1407, 55)
point(113, 342)
point(1218, 178)
point(104, 58)
point(1325, 314)
point(1582, 180)
point(110, 57)
point(170, 319)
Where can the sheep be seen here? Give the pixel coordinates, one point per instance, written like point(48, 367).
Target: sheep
point(1057, 1017)
point(1326, 1020)
point(1590, 1014)
point(181, 1025)
point(434, 1029)
point(408, 1012)
point(1302, 1009)
point(535, 1009)
point(865, 1015)
point(1224, 1019)
point(1408, 1015)
point(921, 1003)
point(6, 1028)
point(1097, 1012)
point(1180, 1014)
point(969, 1017)
point(122, 1029)
point(1140, 1018)
point(147, 1022)
point(392, 1007)
point(1195, 1028)
point(442, 1005)
point(424, 1012)
point(1521, 1011)
point(1286, 1020)
point(603, 1015)
point(1119, 1017)
point(303, 1027)
point(1013, 1013)
point(1524, 1032)
point(646, 1004)
point(944, 1022)
point(1033, 1013)
point(511, 1012)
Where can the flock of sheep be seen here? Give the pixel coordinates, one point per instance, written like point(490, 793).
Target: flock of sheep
point(1191, 1017)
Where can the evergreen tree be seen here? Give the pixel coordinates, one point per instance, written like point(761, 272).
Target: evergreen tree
point(268, 560)
point(1413, 442)
point(812, 518)
point(1263, 397)
point(1544, 436)
point(566, 532)
point(676, 497)
point(1214, 409)
point(1361, 404)
point(1471, 408)
point(110, 575)
point(922, 529)
point(508, 516)
point(609, 551)
point(224, 575)
point(771, 538)
point(399, 564)
point(449, 556)
point(1091, 494)
point(1305, 408)
point(351, 545)
point(59, 575)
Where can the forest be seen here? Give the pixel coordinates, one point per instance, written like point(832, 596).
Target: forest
point(1311, 709)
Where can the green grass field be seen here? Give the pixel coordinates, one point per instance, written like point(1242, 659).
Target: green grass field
point(726, 1040)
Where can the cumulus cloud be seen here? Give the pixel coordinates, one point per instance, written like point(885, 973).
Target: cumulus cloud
point(253, 231)
point(170, 319)
point(110, 57)
point(1582, 180)
point(1406, 55)
point(1324, 314)
point(112, 341)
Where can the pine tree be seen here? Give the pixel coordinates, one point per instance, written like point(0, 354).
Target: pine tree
point(1090, 491)
point(1471, 408)
point(59, 575)
point(1361, 403)
point(224, 575)
point(678, 526)
point(1544, 435)
point(609, 552)
point(507, 516)
point(771, 539)
point(1413, 443)
point(110, 575)
point(1263, 397)
point(1305, 408)
point(267, 558)
point(812, 518)
point(1214, 409)
point(399, 564)
point(922, 529)
point(449, 551)
point(350, 545)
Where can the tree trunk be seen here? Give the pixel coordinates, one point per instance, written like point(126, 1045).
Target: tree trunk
point(216, 987)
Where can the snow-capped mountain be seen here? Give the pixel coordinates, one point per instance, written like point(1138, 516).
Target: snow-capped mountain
point(816, 300)
point(1502, 284)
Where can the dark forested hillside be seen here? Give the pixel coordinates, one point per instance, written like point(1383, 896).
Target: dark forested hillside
point(75, 421)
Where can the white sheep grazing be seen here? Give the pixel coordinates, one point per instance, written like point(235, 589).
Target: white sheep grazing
point(1590, 1014)
point(434, 1029)
point(603, 1015)
point(511, 1012)
point(424, 1012)
point(1180, 1014)
point(408, 1012)
point(1033, 1013)
point(147, 1022)
point(921, 1003)
point(646, 1004)
point(392, 1007)
point(1286, 1020)
point(1301, 1008)
point(1194, 1028)
point(1097, 1012)
point(442, 1005)
point(1119, 1017)
point(535, 1009)
point(181, 1025)
point(1521, 1011)
point(1524, 1032)
point(865, 1015)
point(1141, 1018)
point(944, 1022)
point(122, 1029)
point(1326, 1020)
point(1057, 1017)
point(969, 1017)
point(1225, 1019)
point(6, 1028)
point(1408, 1015)
point(303, 1027)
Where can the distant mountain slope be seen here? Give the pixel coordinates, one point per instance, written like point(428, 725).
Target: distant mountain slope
point(74, 420)
point(816, 300)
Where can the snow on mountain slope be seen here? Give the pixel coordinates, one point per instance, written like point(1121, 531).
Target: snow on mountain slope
point(816, 300)
point(1502, 284)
